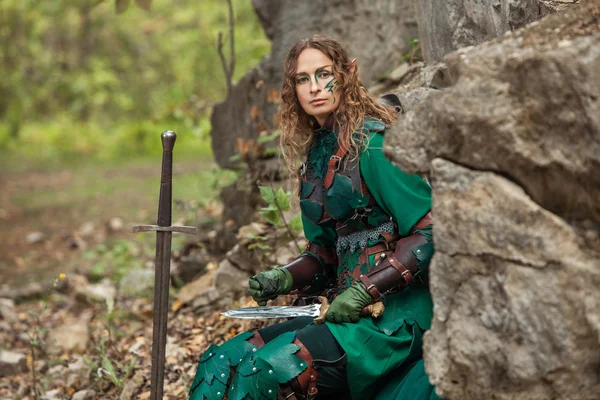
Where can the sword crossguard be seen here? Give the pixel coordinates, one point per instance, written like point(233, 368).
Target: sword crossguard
point(190, 230)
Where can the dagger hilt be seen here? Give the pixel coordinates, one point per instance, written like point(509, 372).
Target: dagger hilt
point(372, 310)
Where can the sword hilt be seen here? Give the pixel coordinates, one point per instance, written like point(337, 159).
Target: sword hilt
point(164, 203)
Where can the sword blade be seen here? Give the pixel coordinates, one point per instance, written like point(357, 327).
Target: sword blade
point(162, 269)
point(312, 310)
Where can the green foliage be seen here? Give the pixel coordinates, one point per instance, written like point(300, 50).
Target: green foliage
point(278, 202)
point(296, 224)
point(113, 370)
point(114, 261)
point(76, 75)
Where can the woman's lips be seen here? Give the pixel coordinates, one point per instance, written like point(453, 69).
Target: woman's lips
point(318, 102)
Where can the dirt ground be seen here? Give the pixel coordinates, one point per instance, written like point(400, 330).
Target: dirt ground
point(48, 218)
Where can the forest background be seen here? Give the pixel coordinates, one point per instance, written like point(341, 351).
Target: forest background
point(87, 87)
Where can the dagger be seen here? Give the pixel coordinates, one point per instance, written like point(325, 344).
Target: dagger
point(312, 310)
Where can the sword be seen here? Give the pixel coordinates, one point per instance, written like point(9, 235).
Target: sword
point(316, 310)
point(162, 267)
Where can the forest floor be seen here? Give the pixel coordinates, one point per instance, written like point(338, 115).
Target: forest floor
point(68, 329)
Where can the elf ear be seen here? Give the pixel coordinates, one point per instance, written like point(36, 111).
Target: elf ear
point(352, 66)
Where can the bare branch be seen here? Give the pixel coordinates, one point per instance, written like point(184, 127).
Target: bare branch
point(228, 69)
point(231, 40)
point(224, 62)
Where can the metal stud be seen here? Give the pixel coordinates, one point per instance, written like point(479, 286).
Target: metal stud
point(240, 360)
point(302, 364)
point(254, 349)
point(222, 356)
point(210, 354)
point(271, 371)
point(218, 393)
point(222, 375)
point(270, 391)
point(418, 251)
point(254, 369)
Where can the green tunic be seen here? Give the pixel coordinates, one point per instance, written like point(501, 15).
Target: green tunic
point(391, 343)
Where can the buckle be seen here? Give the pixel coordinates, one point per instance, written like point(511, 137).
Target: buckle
point(362, 213)
point(338, 162)
point(302, 169)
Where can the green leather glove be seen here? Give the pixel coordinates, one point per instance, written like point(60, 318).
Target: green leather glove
point(347, 306)
point(269, 284)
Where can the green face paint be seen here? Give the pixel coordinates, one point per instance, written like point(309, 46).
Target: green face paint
point(330, 86)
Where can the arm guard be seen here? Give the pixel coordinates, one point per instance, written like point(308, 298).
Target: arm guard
point(401, 268)
point(309, 268)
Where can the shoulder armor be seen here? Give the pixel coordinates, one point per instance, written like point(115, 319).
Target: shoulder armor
point(374, 125)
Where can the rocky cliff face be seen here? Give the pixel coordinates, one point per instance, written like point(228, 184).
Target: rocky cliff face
point(514, 151)
point(447, 25)
point(377, 32)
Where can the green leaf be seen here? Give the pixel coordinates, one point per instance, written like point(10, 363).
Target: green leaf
point(296, 224)
point(268, 138)
point(282, 200)
point(122, 6)
point(267, 193)
point(145, 4)
point(271, 215)
point(260, 246)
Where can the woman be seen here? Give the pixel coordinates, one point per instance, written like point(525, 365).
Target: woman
point(369, 231)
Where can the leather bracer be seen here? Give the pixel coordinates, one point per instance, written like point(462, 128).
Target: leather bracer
point(394, 270)
point(310, 265)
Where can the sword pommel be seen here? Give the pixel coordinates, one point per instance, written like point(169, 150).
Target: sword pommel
point(168, 140)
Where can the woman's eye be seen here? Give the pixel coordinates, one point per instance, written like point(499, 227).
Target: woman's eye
point(324, 74)
point(301, 79)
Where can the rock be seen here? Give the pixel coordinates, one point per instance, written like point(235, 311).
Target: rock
point(244, 259)
point(131, 387)
point(285, 254)
point(35, 237)
point(137, 281)
point(99, 292)
point(397, 74)
point(115, 224)
point(55, 394)
point(58, 371)
point(191, 265)
point(72, 335)
point(514, 291)
point(87, 229)
point(436, 76)
point(413, 98)
point(7, 310)
point(527, 105)
point(447, 25)
point(87, 394)
point(230, 280)
point(12, 363)
point(363, 25)
point(240, 201)
point(79, 373)
point(196, 288)
point(30, 290)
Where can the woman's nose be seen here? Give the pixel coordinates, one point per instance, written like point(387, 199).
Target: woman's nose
point(314, 86)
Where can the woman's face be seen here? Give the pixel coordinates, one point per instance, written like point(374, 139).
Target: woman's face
point(315, 85)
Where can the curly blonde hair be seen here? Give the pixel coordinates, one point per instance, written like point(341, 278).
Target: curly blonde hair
point(297, 127)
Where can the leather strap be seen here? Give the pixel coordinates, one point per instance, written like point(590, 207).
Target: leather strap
point(326, 253)
point(406, 274)
point(334, 165)
point(256, 340)
point(370, 287)
point(423, 222)
point(304, 386)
